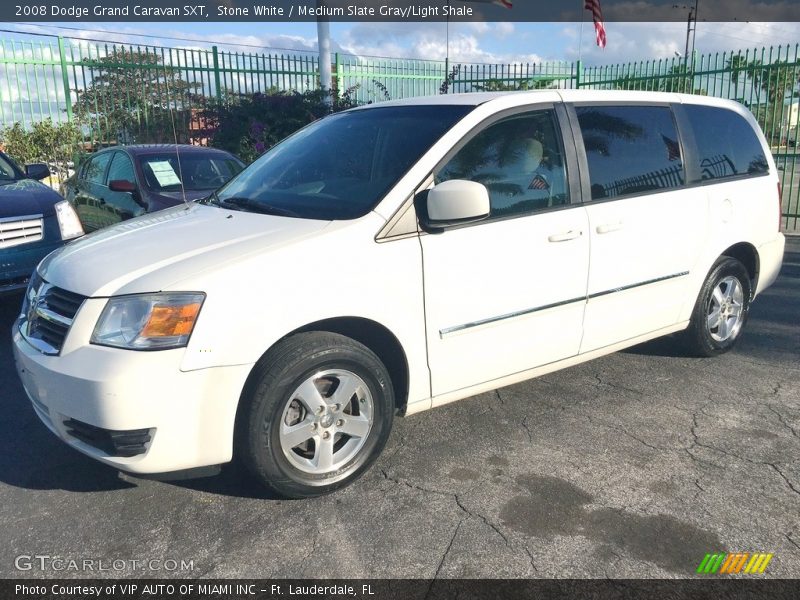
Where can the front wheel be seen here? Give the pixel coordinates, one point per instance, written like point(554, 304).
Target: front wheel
point(721, 309)
point(317, 412)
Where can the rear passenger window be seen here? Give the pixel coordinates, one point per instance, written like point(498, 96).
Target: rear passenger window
point(121, 168)
point(727, 146)
point(630, 149)
point(519, 160)
point(96, 169)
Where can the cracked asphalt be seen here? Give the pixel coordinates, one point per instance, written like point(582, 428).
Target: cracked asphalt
point(634, 465)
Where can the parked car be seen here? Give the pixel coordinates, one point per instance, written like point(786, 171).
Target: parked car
point(394, 258)
point(34, 220)
point(119, 183)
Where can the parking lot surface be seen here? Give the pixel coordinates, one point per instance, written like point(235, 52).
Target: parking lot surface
point(633, 465)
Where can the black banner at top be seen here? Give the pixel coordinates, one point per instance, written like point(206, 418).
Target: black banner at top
point(393, 10)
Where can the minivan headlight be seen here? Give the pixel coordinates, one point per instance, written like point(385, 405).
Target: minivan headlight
point(148, 321)
point(68, 222)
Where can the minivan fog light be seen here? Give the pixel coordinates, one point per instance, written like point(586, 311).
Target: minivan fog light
point(148, 321)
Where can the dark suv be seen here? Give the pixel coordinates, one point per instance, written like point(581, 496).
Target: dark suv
point(34, 220)
point(123, 182)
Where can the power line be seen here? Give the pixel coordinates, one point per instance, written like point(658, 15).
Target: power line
point(182, 39)
point(765, 28)
point(733, 37)
point(141, 35)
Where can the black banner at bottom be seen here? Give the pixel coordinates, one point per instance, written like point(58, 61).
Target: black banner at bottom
point(399, 589)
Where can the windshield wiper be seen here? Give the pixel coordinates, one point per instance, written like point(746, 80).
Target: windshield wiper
point(210, 199)
point(248, 204)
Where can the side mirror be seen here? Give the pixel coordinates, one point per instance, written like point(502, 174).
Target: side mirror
point(121, 185)
point(453, 202)
point(37, 171)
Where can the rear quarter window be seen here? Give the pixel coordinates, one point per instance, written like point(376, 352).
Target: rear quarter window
point(727, 145)
point(96, 169)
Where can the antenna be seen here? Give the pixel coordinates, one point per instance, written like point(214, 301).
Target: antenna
point(174, 129)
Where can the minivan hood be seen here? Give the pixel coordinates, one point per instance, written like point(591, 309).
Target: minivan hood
point(147, 253)
point(27, 197)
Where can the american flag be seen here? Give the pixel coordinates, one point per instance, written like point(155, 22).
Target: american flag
point(538, 183)
point(503, 3)
point(673, 149)
point(593, 6)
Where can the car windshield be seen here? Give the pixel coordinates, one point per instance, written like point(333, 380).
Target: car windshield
point(196, 171)
point(7, 171)
point(341, 166)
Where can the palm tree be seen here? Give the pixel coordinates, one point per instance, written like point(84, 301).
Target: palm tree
point(736, 65)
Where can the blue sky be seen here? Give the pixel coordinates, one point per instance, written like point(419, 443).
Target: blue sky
point(469, 42)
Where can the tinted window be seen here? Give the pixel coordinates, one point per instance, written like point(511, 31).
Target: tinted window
point(96, 169)
point(726, 143)
point(192, 170)
point(519, 160)
point(630, 149)
point(121, 168)
point(341, 166)
point(7, 170)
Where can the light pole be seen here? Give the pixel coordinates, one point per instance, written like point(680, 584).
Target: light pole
point(324, 46)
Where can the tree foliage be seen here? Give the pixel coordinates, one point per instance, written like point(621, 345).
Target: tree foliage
point(250, 124)
point(678, 78)
point(514, 85)
point(776, 81)
point(134, 96)
point(52, 143)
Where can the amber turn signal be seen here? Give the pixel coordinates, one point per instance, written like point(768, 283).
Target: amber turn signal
point(169, 320)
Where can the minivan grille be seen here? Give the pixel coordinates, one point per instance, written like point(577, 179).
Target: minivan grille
point(15, 231)
point(48, 312)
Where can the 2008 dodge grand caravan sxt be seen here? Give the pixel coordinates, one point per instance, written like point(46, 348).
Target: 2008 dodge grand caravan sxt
point(394, 258)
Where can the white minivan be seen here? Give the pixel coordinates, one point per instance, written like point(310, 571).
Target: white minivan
point(393, 258)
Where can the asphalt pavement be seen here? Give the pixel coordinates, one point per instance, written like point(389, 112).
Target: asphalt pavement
point(633, 465)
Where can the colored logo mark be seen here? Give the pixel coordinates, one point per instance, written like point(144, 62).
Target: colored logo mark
point(740, 562)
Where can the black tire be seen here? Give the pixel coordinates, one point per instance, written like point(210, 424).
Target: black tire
point(703, 340)
point(269, 399)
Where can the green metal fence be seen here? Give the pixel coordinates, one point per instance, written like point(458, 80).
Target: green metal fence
point(106, 85)
point(134, 93)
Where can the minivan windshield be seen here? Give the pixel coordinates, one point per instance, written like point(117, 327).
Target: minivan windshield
point(341, 166)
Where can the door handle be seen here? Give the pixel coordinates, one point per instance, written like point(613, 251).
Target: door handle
point(564, 237)
point(609, 227)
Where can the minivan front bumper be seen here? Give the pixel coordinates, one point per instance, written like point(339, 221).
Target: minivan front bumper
point(100, 399)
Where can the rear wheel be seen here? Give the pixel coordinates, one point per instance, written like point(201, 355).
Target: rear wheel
point(721, 309)
point(316, 414)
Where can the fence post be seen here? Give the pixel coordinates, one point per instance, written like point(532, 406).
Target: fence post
point(578, 73)
point(215, 55)
point(336, 76)
point(65, 76)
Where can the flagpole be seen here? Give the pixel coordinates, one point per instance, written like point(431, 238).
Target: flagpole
point(580, 31)
point(447, 44)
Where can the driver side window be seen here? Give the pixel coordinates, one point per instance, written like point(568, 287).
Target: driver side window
point(520, 161)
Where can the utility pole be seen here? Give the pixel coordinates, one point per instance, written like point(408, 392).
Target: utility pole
point(324, 44)
point(691, 31)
